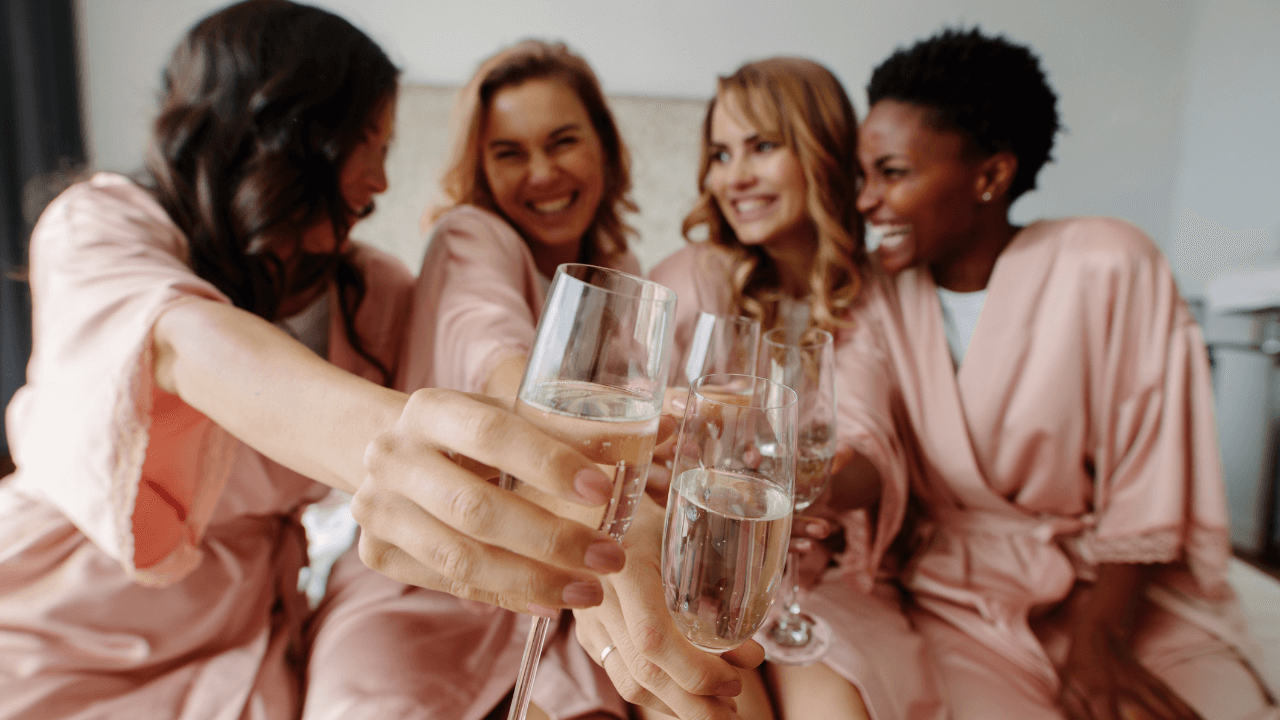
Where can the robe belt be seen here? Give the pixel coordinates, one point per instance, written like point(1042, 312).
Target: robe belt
point(986, 571)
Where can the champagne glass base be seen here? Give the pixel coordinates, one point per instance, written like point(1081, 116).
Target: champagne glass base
point(792, 650)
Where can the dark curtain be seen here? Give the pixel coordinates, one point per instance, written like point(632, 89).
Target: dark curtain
point(39, 136)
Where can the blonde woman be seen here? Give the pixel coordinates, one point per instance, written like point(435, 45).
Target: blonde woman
point(778, 180)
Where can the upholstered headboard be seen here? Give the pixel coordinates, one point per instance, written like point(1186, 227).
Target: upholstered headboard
point(661, 133)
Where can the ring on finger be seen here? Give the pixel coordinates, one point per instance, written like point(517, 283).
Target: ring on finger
point(605, 652)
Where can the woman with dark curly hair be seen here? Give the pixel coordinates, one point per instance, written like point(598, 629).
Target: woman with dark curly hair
point(213, 353)
point(1046, 398)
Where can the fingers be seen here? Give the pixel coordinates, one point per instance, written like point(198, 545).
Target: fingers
point(402, 541)
point(746, 656)
point(641, 682)
point(482, 430)
point(810, 527)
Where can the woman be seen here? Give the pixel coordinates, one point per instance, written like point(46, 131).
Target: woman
point(1051, 399)
point(180, 412)
point(778, 180)
point(538, 177)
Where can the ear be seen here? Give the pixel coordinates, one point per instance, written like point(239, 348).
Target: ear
point(995, 175)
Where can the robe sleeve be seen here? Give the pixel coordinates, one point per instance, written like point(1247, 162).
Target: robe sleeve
point(473, 305)
point(868, 420)
point(1159, 494)
point(135, 469)
point(699, 276)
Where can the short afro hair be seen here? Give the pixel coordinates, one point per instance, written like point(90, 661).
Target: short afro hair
point(986, 87)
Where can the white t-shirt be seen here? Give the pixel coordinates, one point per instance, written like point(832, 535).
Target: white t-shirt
point(960, 313)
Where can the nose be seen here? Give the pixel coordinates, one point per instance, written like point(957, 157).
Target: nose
point(542, 169)
point(868, 196)
point(377, 177)
point(741, 171)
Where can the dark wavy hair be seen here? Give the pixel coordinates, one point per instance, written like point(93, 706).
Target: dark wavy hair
point(988, 88)
point(804, 103)
point(464, 179)
point(261, 104)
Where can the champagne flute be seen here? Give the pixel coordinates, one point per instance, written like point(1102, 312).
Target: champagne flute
point(803, 361)
point(595, 380)
point(720, 344)
point(728, 517)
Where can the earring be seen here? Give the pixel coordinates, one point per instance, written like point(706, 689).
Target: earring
point(986, 196)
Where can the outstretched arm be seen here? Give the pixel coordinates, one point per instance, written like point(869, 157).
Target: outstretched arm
point(427, 519)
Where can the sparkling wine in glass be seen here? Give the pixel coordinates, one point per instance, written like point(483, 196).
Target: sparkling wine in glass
point(595, 380)
point(728, 519)
point(804, 361)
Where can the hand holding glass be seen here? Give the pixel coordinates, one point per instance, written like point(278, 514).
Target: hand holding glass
point(595, 379)
point(728, 517)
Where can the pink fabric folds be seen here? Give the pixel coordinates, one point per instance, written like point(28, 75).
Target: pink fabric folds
point(148, 560)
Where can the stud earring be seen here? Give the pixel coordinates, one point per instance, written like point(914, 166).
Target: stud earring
point(986, 196)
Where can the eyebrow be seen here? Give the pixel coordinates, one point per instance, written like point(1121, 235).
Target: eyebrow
point(502, 142)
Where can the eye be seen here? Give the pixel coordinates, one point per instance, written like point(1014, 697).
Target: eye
point(506, 154)
point(719, 156)
point(893, 173)
point(765, 146)
point(564, 141)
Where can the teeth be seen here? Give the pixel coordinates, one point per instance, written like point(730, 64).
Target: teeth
point(551, 206)
point(746, 206)
point(885, 236)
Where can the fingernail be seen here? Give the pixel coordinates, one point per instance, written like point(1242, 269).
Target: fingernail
point(729, 689)
point(605, 556)
point(818, 529)
point(543, 611)
point(679, 402)
point(803, 545)
point(583, 594)
point(593, 486)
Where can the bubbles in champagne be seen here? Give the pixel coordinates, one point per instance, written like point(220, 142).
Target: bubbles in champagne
point(611, 426)
point(724, 547)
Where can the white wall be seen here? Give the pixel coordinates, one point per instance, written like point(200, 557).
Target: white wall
point(1227, 199)
point(1120, 68)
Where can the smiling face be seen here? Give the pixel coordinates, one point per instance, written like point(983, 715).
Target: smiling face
point(543, 161)
point(756, 180)
point(920, 197)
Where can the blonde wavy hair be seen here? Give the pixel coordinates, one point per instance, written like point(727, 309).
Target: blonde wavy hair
point(464, 181)
point(806, 105)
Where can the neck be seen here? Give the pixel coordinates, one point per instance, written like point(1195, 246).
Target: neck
point(970, 270)
point(549, 257)
point(793, 258)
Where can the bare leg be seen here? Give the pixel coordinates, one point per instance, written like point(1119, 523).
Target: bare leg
point(814, 691)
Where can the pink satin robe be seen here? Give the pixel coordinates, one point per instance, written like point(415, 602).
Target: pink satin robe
point(1078, 431)
point(476, 304)
point(112, 470)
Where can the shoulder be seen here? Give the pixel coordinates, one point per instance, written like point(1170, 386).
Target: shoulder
point(471, 221)
point(107, 214)
point(379, 265)
point(1098, 242)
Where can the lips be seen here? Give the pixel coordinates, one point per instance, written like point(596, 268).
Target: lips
point(554, 205)
point(752, 207)
point(886, 237)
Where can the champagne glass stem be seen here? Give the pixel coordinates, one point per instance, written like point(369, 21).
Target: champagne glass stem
point(528, 667)
point(791, 628)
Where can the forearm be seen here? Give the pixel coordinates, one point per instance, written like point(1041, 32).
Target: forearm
point(271, 392)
